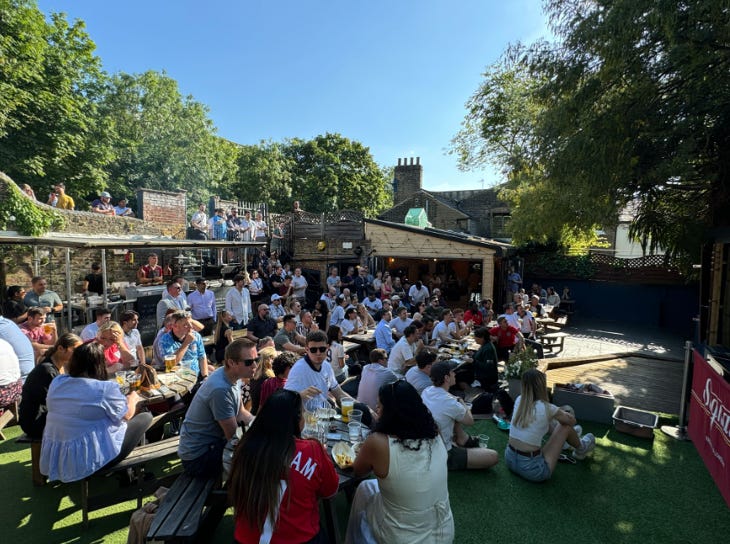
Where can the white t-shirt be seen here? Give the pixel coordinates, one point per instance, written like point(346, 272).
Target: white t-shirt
point(338, 314)
point(401, 352)
point(347, 326)
point(133, 339)
point(335, 354)
point(538, 427)
point(302, 376)
point(89, 332)
point(299, 286)
point(418, 379)
point(441, 332)
point(400, 324)
point(445, 409)
point(9, 365)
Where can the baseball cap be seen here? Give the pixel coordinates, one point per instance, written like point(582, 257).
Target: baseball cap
point(395, 297)
point(104, 194)
point(275, 297)
point(442, 369)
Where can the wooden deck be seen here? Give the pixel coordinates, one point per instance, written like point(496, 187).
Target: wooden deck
point(636, 380)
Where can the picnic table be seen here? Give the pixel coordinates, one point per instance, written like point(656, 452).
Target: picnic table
point(365, 341)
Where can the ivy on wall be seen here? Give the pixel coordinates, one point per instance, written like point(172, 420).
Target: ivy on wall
point(20, 213)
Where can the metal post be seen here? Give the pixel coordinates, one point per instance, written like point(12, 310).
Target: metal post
point(69, 309)
point(103, 276)
point(680, 431)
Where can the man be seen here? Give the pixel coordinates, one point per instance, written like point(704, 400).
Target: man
point(247, 226)
point(374, 375)
point(151, 273)
point(14, 308)
point(287, 338)
point(333, 280)
point(311, 376)
point(361, 283)
point(101, 315)
point(506, 338)
point(403, 354)
point(509, 314)
point(122, 209)
point(400, 323)
point(427, 338)
point(299, 285)
point(199, 222)
point(217, 228)
point(372, 303)
point(103, 204)
point(238, 302)
point(216, 412)
point(535, 307)
point(348, 282)
point(514, 280)
point(338, 314)
point(185, 344)
point(384, 334)
point(33, 328)
point(171, 299)
point(419, 376)
point(450, 414)
point(306, 324)
point(442, 332)
point(330, 298)
point(93, 282)
point(434, 309)
point(276, 310)
point(63, 201)
point(203, 306)
point(44, 298)
point(129, 320)
point(262, 325)
point(233, 225)
point(158, 357)
point(11, 333)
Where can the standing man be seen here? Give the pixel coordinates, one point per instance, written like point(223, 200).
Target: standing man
point(384, 334)
point(151, 273)
point(202, 306)
point(94, 282)
point(44, 298)
point(403, 354)
point(373, 377)
point(514, 280)
point(103, 204)
point(63, 201)
point(185, 344)
point(333, 280)
point(450, 414)
point(362, 283)
point(216, 412)
point(238, 302)
point(299, 285)
point(101, 315)
point(122, 209)
point(199, 223)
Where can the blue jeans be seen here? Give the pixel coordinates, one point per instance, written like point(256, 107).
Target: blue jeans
point(534, 469)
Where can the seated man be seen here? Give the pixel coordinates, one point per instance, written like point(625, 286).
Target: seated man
point(372, 303)
point(217, 411)
point(442, 332)
point(399, 324)
point(506, 337)
point(185, 344)
point(44, 298)
point(419, 376)
point(102, 316)
point(262, 325)
point(383, 333)
point(373, 377)
point(450, 413)
point(34, 329)
point(287, 338)
point(276, 310)
point(403, 354)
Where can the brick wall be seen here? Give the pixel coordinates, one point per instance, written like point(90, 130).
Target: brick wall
point(166, 209)
point(409, 178)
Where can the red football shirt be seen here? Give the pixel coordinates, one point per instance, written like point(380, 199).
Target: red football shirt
point(505, 338)
point(311, 476)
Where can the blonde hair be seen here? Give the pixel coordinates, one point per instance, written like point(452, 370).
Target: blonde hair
point(110, 326)
point(534, 389)
point(266, 357)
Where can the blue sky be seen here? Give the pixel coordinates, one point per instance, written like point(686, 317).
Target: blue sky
point(394, 75)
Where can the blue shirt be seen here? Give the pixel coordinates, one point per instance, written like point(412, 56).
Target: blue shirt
point(384, 336)
point(169, 345)
point(48, 298)
point(11, 333)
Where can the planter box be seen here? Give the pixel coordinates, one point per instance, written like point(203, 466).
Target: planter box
point(587, 406)
point(635, 422)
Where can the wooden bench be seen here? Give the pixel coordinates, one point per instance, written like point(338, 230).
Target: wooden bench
point(39, 479)
point(189, 511)
point(9, 413)
point(134, 461)
point(554, 341)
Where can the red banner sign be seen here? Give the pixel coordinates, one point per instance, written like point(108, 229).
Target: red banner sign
point(709, 422)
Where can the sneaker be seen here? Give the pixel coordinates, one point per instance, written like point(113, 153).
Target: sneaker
point(579, 432)
point(587, 444)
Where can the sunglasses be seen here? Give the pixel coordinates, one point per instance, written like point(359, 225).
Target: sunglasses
point(320, 349)
point(249, 362)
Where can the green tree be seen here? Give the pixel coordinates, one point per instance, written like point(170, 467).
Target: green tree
point(264, 174)
point(50, 81)
point(163, 140)
point(331, 172)
point(633, 108)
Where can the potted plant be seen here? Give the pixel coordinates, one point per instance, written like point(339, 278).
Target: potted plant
point(517, 364)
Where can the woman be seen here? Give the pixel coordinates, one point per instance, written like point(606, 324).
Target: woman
point(350, 325)
point(420, 311)
point(378, 281)
point(277, 477)
point(533, 418)
point(263, 372)
point(336, 353)
point(365, 318)
point(33, 410)
point(223, 335)
point(294, 307)
point(90, 423)
point(28, 190)
point(280, 367)
point(321, 314)
point(473, 315)
point(116, 353)
point(409, 502)
point(386, 289)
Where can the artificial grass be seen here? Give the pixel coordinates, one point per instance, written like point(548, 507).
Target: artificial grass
point(630, 490)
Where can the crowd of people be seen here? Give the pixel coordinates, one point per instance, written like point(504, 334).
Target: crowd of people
point(58, 198)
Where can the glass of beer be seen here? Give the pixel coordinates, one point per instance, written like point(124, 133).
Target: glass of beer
point(48, 328)
point(169, 363)
point(347, 405)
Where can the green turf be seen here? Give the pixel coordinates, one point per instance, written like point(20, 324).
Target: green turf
point(630, 491)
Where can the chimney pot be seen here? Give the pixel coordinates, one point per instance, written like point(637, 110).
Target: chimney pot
point(411, 161)
point(398, 162)
point(418, 160)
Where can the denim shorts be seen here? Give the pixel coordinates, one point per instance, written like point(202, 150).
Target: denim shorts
point(534, 469)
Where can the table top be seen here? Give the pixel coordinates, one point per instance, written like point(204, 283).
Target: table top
point(364, 338)
point(179, 382)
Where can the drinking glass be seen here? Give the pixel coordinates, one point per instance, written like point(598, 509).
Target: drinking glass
point(347, 405)
point(483, 440)
point(356, 416)
point(353, 428)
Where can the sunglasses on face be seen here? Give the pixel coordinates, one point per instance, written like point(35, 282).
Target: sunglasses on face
point(249, 362)
point(320, 349)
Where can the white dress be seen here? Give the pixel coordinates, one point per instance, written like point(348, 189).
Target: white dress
point(410, 505)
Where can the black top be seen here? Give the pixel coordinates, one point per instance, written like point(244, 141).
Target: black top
point(262, 327)
point(32, 411)
point(13, 308)
point(221, 344)
point(96, 283)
